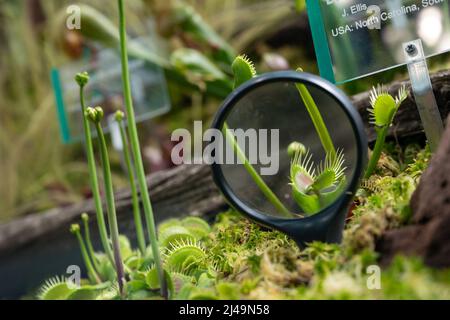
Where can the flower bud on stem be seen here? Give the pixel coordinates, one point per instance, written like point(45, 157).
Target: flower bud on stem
point(82, 80)
point(95, 115)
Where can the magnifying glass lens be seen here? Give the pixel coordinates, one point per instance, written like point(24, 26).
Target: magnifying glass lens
point(289, 149)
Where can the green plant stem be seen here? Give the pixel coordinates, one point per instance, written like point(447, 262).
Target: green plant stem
point(376, 153)
point(317, 120)
point(134, 141)
point(111, 208)
point(94, 182)
point(134, 193)
point(90, 248)
point(255, 176)
point(92, 274)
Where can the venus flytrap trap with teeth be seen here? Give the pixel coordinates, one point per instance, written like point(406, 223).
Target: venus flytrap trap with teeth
point(55, 288)
point(174, 233)
point(314, 187)
point(243, 70)
point(185, 256)
point(382, 111)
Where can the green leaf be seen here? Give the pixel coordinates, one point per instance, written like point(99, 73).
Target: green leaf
point(136, 285)
point(151, 279)
point(325, 179)
point(228, 291)
point(195, 66)
point(55, 289)
point(185, 257)
point(196, 226)
point(125, 247)
point(171, 235)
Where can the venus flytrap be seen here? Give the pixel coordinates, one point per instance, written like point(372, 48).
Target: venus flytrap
point(314, 187)
point(119, 116)
point(93, 276)
point(82, 79)
point(243, 70)
point(134, 141)
point(382, 111)
point(95, 115)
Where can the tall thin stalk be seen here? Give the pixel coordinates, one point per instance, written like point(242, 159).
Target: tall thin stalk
point(317, 119)
point(92, 274)
point(87, 237)
point(134, 141)
point(82, 79)
point(134, 194)
point(376, 153)
point(254, 174)
point(95, 116)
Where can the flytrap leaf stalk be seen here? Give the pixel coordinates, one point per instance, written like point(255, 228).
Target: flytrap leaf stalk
point(134, 141)
point(317, 119)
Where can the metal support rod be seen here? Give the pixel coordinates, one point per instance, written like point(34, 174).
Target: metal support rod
point(423, 92)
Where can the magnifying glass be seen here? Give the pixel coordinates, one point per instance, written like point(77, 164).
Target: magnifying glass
point(292, 152)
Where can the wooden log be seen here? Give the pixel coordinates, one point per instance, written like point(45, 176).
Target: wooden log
point(184, 190)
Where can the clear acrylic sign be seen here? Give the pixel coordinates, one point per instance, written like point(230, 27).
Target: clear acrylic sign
point(149, 88)
point(356, 38)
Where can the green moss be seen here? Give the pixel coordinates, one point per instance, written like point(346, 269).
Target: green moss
point(236, 259)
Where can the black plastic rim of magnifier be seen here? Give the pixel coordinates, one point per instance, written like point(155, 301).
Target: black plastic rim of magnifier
point(328, 224)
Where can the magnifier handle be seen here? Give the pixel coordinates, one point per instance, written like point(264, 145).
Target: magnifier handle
point(326, 226)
